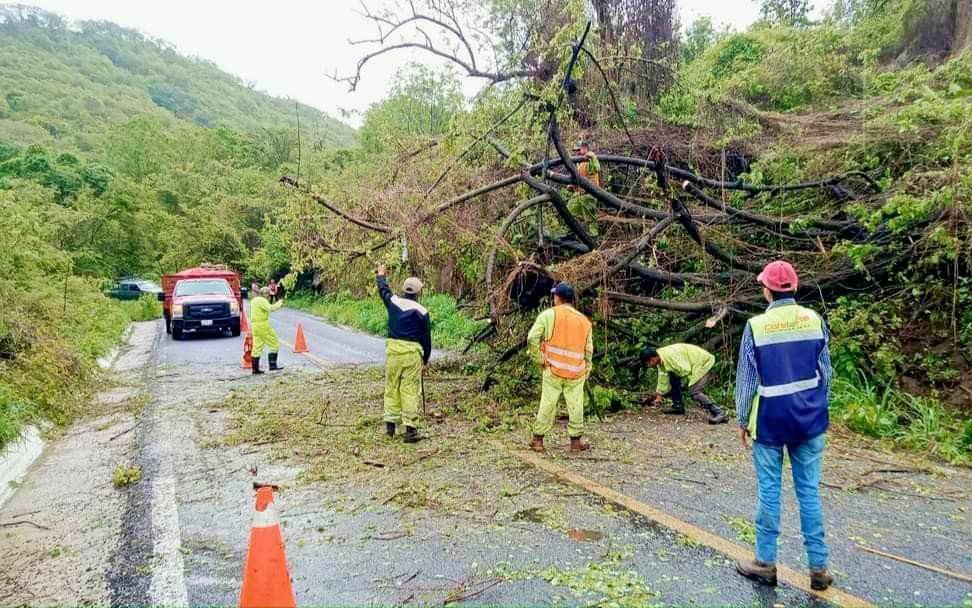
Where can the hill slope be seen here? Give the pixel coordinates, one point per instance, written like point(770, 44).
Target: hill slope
point(63, 82)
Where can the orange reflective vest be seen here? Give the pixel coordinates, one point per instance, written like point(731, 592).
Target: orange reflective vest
point(564, 353)
point(595, 178)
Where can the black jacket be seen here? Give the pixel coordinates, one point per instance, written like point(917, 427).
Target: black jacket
point(407, 319)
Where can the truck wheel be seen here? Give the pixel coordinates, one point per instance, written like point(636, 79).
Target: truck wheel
point(236, 331)
point(176, 333)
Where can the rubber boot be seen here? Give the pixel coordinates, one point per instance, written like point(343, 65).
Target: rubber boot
point(757, 571)
point(820, 579)
point(390, 429)
point(579, 444)
point(273, 362)
point(256, 365)
point(537, 444)
point(716, 415)
point(411, 434)
point(675, 410)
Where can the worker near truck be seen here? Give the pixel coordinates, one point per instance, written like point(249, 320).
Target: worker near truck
point(561, 343)
point(263, 332)
point(782, 394)
point(683, 368)
point(407, 353)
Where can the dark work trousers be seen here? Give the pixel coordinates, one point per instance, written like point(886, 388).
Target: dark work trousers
point(694, 391)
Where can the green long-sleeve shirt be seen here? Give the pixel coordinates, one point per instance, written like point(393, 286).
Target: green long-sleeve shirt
point(260, 309)
point(542, 330)
point(685, 361)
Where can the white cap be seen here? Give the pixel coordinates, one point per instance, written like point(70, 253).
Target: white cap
point(412, 286)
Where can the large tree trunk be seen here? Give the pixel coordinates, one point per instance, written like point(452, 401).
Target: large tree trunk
point(963, 26)
point(936, 29)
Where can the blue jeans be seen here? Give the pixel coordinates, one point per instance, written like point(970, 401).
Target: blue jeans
point(806, 460)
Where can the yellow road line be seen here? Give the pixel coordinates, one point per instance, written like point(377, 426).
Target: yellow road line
point(317, 360)
point(713, 541)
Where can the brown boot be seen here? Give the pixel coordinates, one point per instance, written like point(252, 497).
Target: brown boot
point(757, 571)
point(537, 444)
point(579, 444)
point(820, 579)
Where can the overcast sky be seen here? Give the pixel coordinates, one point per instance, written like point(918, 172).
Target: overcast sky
point(287, 47)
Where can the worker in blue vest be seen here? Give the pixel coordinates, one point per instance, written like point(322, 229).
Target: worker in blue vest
point(782, 385)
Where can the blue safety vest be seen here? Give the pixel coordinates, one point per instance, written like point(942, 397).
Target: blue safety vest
point(790, 405)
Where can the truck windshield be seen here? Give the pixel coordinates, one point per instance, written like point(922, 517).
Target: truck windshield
point(198, 288)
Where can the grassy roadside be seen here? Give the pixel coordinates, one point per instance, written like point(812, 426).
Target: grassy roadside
point(53, 344)
point(451, 328)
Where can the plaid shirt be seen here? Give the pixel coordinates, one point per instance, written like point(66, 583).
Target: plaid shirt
point(747, 375)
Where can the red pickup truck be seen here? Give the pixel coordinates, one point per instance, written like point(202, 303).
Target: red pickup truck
point(205, 298)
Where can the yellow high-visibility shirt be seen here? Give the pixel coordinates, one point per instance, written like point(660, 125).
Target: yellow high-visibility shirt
point(685, 361)
point(260, 309)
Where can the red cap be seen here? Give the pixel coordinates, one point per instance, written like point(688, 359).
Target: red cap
point(779, 276)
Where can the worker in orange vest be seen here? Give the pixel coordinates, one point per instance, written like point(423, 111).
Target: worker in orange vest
point(561, 342)
point(590, 168)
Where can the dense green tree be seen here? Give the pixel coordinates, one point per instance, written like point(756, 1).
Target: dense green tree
point(421, 103)
point(786, 12)
point(699, 36)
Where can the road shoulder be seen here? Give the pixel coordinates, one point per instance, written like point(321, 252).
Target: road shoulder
point(59, 529)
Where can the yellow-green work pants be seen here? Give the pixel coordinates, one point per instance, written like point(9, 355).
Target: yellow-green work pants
point(573, 392)
point(403, 382)
point(264, 335)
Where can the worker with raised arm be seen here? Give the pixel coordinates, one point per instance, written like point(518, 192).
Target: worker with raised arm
point(561, 342)
point(683, 368)
point(263, 333)
point(782, 394)
point(407, 351)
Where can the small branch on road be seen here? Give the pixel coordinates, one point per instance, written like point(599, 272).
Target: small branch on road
point(25, 522)
point(390, 536)
point(911, 562)
point(126, 431)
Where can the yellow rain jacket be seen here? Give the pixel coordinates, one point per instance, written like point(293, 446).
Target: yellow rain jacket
point(686, 361)
point(263, 333)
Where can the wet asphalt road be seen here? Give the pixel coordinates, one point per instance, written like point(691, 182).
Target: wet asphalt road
point(185, 526)
point(194, 512)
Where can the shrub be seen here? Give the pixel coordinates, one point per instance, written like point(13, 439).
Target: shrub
point(146, 308)
point(451, 328)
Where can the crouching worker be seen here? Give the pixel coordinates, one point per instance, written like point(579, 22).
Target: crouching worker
point(263, 333)
point(560, 340)
point(683, 367)
point(407, 351)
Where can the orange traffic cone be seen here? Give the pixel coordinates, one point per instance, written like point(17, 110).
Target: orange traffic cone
point(300, 345)
point(246, 362)
point(266, 579)
point(244, 324)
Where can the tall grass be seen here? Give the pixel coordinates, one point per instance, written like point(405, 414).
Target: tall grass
point(146, 308)
point(451, 328)
point(54, 335)
point(917, 423)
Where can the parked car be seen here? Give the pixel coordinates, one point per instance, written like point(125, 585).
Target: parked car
point(206, 298)
point(133, 289)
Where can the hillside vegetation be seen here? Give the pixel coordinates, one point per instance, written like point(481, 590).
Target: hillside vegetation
point(63, 83)
point(118, 156)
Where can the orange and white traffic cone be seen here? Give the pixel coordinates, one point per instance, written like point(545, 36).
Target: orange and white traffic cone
point(246, 362)
point(244, 324)
point(300, 345)
point(266, 579)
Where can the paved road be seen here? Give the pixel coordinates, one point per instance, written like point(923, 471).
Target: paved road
point(179, 536)
point(328, 344)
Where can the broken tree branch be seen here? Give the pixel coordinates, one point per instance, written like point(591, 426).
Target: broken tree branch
point(334, 208)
